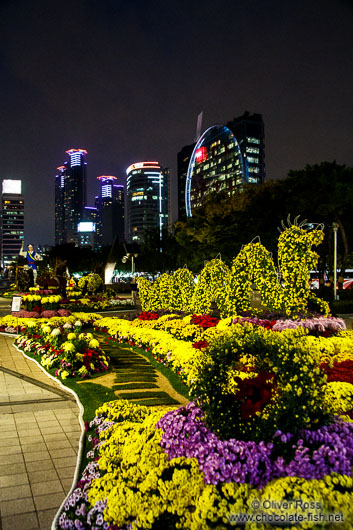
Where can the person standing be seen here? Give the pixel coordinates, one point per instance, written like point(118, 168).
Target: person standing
point(32, 259)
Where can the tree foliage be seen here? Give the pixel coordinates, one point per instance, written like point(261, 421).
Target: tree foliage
point(322, 193)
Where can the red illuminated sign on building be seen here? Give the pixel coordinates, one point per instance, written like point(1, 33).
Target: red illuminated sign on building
point(201, 154)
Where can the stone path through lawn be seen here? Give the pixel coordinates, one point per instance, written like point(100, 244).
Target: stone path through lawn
point(134, 378)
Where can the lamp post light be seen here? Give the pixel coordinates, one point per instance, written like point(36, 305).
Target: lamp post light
point(132, 258)
point(335, 229)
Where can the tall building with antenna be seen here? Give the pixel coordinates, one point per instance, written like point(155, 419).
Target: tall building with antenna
point(224, 158)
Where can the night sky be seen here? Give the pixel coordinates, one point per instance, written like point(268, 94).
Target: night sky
point(126, 80)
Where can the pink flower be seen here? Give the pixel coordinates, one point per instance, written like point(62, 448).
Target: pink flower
point(64, 312)
point(49, 314)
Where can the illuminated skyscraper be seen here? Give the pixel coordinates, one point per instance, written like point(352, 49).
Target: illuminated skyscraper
point(224, 158)
point(75, 192)
point(60, 205)
point(12, 221)
point(250, 133)
point(112, 210)
point(147, 199)
point(70, 197)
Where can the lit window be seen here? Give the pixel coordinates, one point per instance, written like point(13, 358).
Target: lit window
point(252, 150)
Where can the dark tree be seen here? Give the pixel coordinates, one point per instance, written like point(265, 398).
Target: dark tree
point(322, 193)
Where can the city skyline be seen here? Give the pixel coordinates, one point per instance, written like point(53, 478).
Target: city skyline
point(127, 83)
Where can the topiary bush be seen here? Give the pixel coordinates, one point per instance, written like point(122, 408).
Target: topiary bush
point(253, 382)
point(90, 283)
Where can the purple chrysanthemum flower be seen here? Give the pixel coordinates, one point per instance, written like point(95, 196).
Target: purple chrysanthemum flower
point(318, 453)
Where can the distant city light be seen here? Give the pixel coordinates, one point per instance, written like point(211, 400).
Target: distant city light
point(143, 165)
point(12, 186)
point(86, 226)
point(107, 190)
point(75, 156)
point(73, 151)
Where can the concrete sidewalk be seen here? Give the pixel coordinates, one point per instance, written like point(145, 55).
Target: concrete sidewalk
point(38, 444)
point(348, 318)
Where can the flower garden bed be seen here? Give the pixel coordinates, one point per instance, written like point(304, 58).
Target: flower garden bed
point(153, 470)
point(94, 303)
point(178, 341)
point(14, 323)
point(183, 469)
point(39, 302)
point(186, 468)
point(267, 438)
point(148, 468)
point(61, 344)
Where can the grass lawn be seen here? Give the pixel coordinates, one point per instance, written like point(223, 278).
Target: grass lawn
point(135, 378)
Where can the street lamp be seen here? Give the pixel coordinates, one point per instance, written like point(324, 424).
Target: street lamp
point(131, 257)
point(335, 229)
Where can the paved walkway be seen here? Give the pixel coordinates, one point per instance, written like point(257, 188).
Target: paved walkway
point(348, 318)
point(38, 444)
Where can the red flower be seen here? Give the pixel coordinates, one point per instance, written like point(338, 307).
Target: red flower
point(255, 392)
point(325, 333)
point(148, 315)
point(204, 321)
point(342, 372)
point(200, 344)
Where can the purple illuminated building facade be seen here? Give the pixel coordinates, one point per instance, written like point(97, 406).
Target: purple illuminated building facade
point(60, 205)
point(70, 197)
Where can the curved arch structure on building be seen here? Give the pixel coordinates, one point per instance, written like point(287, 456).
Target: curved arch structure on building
point(216, 164)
